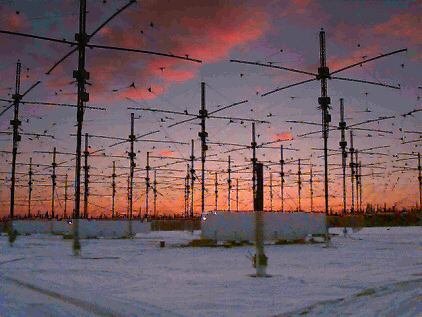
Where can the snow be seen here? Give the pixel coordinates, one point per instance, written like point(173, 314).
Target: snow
point(375, 271)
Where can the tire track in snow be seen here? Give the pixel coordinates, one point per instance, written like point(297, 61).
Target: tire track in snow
point(149, 310)
point(90, 307)
point(350, 305)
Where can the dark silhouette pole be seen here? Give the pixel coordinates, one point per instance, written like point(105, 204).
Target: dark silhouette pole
point(203, 114)
point(420, 181)
point(147, 186)
point(343, 144)
point(81, 76)
point(352, 172)
point(282, 178)
point(53, 183)
point(113, 190)
point(86, 177)
point(229, 186)
point(192, 177)
point(65, 196)
point(16, 139)
point(30, 173)
point(254, 161)
point(132, 155)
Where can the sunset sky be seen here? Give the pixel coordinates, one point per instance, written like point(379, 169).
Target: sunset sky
point(282, 32)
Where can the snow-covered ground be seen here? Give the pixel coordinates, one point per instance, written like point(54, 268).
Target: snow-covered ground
point(373, 272)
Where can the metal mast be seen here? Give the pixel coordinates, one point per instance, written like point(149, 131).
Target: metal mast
point(357, 179)
point(282, 178)
point(192, 175)
point(254, 161)
point(237, 194)
point(187, 192)
point(324, 102)
point(86, 177)
point(216, 191)
point(147, 186)
point(360, 186)
point(132, 155)
point(271, 192)
point(16, 138)
point(53, 182)
point(260, 259)
point(203, 135)
point(352, 170)
point(155, 193)
point(65, 197)
point(343, 144)
point(229, 188)
point(127, 196)
point(420, 180)
point(299, 185)
point(311, 189)
point(81, 75)
point(113, 189)
point(29, 187)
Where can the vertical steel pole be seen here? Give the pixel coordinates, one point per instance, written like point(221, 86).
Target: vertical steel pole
point(29, 187)
point(229, 188)
point(253, 145)
point(81, 75)
point(260, 260)
point(216, 191)
point(203, 135)
point(311, 189)
point(299, 186)
point(237, 194)
point(65, 197)
point(343, 144)
point(187, 191)
point(53, 183)
point(357, 180)
point(324, 102)
point(132, 155)
point(86, 177)
point(155, 193)
point(15, 123)
point(352, 172)
point(420, 180)
point(147, 186)
point(192, 175)
point(282, 178)
point(271, 192)
point(360, 187)
point(127, 196)
point(113, 190)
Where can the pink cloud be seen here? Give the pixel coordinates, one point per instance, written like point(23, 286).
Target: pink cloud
point(166, 153)
point(404, 25)
point(205, 30)
point(283, 136)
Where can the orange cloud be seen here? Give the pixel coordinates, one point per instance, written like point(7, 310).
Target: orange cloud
point(12, 20)
point(283, 136)
point(167, 153)
point(207, 30)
